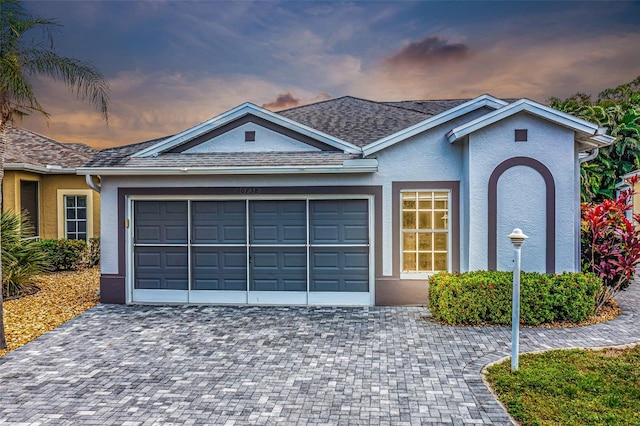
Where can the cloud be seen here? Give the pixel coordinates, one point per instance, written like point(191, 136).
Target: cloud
point(427, 52)
point(286, 100)
point(513, 67)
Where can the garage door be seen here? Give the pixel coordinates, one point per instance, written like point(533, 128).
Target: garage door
point(294, 251)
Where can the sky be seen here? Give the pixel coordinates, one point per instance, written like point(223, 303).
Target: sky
point(173, 64)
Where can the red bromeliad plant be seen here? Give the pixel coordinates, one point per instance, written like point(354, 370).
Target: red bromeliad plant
point(610, 243)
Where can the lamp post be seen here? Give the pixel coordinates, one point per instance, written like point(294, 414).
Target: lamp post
point(517, 237)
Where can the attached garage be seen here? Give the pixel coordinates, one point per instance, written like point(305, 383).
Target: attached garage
point(253, 250)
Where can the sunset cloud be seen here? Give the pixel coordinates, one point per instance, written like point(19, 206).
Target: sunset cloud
point(286, 100)
point(427, 52)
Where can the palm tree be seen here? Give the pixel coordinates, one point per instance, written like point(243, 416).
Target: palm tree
point(23, 57)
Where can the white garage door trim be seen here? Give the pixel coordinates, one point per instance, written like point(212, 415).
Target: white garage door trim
point(163, 296)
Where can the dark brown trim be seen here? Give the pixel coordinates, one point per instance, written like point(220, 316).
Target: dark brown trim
point(259, 122)
point(112, 289)
point(549, 182)
point(454, 188)
point(124, 193)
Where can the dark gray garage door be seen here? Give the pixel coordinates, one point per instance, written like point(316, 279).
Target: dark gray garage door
point(252, 251)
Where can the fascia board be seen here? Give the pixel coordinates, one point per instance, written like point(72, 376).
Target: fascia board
point(368, 167)
point(524, 105)
point(38, 169)
point(604, 139)
point(431, 122)
point(245, 109)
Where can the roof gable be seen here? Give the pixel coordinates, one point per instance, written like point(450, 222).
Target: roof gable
point(590, 135)
point(483, 101)
point(237, 117)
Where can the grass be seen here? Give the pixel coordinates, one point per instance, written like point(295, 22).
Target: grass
point(571, 387)
point(62, 296)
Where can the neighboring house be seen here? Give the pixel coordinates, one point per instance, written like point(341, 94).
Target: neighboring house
point(624, 185)
point(342, 202)
point(40, 177)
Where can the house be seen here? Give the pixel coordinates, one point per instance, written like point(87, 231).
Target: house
point(341, 202)
point(624, 185)
point(40, 177)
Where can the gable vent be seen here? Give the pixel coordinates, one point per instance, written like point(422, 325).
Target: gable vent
point(521, 135)
point(250, 136)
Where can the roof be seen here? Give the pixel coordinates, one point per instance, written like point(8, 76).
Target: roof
point(27, 149)
point(362, 122)
point(118, 155)
point(355, 128)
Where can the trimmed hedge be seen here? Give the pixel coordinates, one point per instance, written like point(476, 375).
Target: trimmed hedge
point(485, 297)
point(65, 254)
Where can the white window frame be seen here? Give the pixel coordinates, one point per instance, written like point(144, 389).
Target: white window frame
point(426, 274)
point(62, 212)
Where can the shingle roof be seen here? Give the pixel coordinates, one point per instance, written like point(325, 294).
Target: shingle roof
point(230, 159)
point(118, 156)
point(27, 147)
point(354, 120)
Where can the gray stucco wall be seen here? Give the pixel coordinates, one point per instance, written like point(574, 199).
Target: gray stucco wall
point(551, 145)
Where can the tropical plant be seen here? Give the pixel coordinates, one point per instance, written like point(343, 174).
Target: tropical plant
point(617, 109)
point(610, 243)
point(22, 257)
point(26, 53)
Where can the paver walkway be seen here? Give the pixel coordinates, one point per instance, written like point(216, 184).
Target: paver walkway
point(134, 365)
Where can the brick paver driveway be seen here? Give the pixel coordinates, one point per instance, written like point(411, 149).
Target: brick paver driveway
point(249, 365)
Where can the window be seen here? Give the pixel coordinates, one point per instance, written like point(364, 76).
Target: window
point(75, 213)
point(75, 217)
point(425, 231)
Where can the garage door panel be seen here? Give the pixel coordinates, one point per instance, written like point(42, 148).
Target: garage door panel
point(339, 269)
point(278, 222)
point(339, 221)
point(161, 268)
point(218, 222)
point(219, 268)
point(161, 222)
point(278, 269)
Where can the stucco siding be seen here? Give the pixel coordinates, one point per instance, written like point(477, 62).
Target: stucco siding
point(516, 204)
point(551, 145)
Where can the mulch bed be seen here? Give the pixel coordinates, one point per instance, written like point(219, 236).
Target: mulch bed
point(61, 297)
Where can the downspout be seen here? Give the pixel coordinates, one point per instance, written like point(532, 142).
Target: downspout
point(589, 157)
point(92, 184)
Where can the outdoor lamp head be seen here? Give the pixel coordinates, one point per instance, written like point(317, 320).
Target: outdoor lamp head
point(517, 237)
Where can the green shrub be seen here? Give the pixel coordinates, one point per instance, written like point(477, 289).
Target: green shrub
point(65, 254)
point(93, 252)
point(485, 297)
point(21, 258)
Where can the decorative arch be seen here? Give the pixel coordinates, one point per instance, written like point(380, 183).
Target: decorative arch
point(550, 209)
